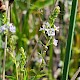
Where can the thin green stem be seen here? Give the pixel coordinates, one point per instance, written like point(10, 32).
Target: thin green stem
point(0, 18)
point(4, 60)
point(51, 61)
point(70, 39)
point(25, 75)
point(51, 56)
point(16, 71)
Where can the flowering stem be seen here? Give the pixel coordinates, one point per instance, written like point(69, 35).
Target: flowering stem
point(70, 39)
point(4, 60)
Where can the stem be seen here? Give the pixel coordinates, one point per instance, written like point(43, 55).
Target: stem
point(70, 39)
point(16, 71)
point(5, 47)
point(51, 56)
point(0, 26)
point(4, 57)
point(0, 18)
point(51, 61)
point(25, 75)
point(76, 74)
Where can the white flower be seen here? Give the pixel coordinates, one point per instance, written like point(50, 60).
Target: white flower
point(47, 24)
point(78, 78)
point(39, 60)
point(56, 28)
point(3, 28)
point(42, 29)
point(55, 42)
point(50, 32)
point(12, 28)
point(7, 26)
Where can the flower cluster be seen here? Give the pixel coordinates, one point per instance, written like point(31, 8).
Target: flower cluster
point(54, 15)
point(50, 31)
point(22, 59)
point(7, 27)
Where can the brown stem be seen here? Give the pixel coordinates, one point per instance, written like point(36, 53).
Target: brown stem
point(4, 61)
point(76, 74)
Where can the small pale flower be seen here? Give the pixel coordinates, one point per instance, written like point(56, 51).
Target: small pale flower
point(10, 24)
point(39, 60)
point(7, 27)
point(12, 28)
point(3, 28)
point(56, 28)
point(47, 24)
point(55, 42)
point(42, 29)
point(51, 32)
point(78, 78)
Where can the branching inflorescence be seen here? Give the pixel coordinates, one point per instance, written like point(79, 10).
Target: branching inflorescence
point(49, 27)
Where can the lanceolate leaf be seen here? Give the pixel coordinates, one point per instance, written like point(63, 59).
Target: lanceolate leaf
point(70, 39)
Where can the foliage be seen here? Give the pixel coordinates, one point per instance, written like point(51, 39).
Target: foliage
point(36, 51)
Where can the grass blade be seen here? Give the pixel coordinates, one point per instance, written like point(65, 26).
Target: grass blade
point(70, 39)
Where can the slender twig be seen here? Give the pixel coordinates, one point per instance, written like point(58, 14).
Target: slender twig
point(5, 47)
point(4, 57)
point(76, 74)
point(70, 39)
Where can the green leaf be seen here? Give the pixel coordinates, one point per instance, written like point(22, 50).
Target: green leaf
point(70, 39)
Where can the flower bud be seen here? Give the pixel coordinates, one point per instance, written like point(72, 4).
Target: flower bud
point(54, 15)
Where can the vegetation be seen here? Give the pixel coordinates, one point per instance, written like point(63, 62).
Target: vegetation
point(33, 38)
